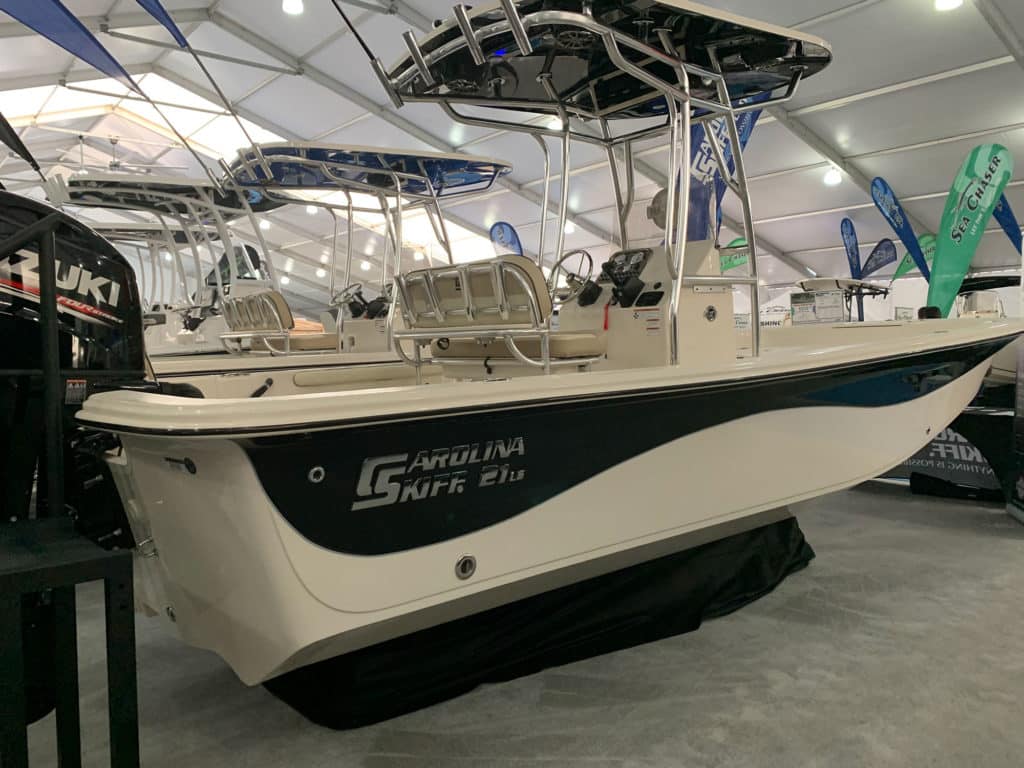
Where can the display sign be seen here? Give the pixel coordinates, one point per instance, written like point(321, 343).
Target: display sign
point(950, 457)
point(1016, 504)
point(976, 191)
point(819, 307)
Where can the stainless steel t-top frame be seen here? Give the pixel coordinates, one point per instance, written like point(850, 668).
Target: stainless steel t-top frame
point(398, 181)
point(404, 192)
point(192, 207)
point(660, 93)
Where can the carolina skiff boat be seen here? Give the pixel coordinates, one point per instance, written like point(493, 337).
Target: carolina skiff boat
point(285, 530)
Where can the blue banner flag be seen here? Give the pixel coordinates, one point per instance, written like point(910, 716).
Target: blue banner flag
point(705, 180)
point(883, 255)
point(58, 25)
point(890, 207)
point(505, 239)
point(852, 247)
point(1003, 213)
point(156, 10)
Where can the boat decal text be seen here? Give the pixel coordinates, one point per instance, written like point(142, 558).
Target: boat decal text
point(404, 477)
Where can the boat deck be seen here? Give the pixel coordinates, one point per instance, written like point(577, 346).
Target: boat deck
point(786, 351)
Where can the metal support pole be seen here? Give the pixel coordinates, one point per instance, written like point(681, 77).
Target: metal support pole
point(544, 198)
point(53, 384)
point(563, 207)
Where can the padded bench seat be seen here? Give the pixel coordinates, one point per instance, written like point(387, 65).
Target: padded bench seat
point(307, 342)
point(562, 346)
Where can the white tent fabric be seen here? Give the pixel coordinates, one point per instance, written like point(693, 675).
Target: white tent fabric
point(911, 91)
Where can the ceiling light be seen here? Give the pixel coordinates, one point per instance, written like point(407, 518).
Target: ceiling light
point(948, 5)
point(365, 266)
point(324, 258)
point(292, 7)
point(285, 279)
point(833, 177)
point(264, 224)
point(570, 228)
point(418, 256)
point(311, 210)
point(321, 273)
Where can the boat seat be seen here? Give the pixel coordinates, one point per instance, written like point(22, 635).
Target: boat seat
point(497, 309)
point(265, 317)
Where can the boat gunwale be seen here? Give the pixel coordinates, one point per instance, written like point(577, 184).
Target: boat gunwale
point(543, 401)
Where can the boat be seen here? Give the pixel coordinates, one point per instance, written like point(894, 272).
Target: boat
point(234, 334)
point(183, 303)
point(285, 530)
point(979, 298)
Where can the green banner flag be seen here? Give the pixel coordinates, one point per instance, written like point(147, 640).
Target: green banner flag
point(973, 197)
point(732, 260)
point(927, 243)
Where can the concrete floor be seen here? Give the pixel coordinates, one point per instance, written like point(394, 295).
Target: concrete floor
point(901, 645)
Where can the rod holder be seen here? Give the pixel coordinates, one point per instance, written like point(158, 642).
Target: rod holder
point(417, 57)
point(382, 75)
point(516, 25)
point(462, 17)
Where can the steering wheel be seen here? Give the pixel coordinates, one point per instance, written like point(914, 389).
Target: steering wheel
point(346, 294)
point(570, 277)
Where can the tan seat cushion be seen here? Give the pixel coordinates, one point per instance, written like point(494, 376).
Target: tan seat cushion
point(564, 346)
point(307, 342)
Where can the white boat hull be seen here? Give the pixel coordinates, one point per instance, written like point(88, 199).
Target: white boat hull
point(271, 587)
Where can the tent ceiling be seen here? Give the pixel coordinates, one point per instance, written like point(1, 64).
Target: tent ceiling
point(905, 106)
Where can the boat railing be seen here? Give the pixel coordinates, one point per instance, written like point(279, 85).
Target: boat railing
point(264, 318)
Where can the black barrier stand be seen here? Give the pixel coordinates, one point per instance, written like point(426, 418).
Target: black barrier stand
point(38, 555)
point(46, 554)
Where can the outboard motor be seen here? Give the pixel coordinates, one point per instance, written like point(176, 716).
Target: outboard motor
point(100, 346)
point(100, 343)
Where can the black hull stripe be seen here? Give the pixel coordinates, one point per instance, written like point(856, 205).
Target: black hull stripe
point(398, 485)
point(986, 349)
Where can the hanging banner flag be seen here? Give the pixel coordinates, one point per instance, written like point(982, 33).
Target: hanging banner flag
point(705, 179)
point(852, 247)
point(156, 10)
point(1004, 215)
point(505, 239)
point(893, 212)
point(971, 202)
point(58, 25)
point(927, 244)
point(729, 261)
point(883, 255)
point(853, 257)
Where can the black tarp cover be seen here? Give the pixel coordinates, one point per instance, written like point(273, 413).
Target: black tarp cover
point(651, 601)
